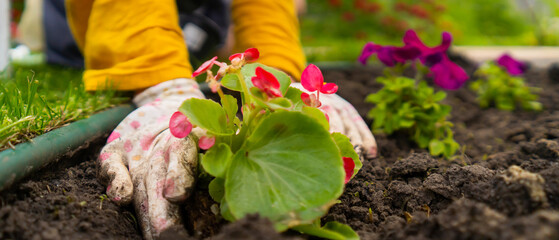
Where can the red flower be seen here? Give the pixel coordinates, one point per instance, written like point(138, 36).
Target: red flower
point(348, 16)
point(250, 55)
point(205, 66)
point(312, 80)
point(310, 100)
point(266, 82)
point(349, 166)
point(335, 3)
point(419, 11)
point(206, 142)
point(179, 125)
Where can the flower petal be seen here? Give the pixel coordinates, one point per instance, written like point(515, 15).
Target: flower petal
point(312, 78)
point(405, 53)
point(266, 82)
point(385, 56)
point(306, 99)
point(310, 100)
point(236, 55)
point(179, 125)
point(367, 51)
point(206, 142)
point(329, 88)
point(513, 66)
point(411, 38)
point(204, 67)
point(448, 75)
point(349, 166)
point(251, 54)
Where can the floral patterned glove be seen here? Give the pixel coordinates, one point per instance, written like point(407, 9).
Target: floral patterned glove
point(144, 163)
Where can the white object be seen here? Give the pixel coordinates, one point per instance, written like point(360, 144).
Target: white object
point(4, 33)
point(194, 36)
point(19, 53)
point(30, 28)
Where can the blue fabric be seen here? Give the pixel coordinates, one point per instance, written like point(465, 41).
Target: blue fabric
point(61, 49)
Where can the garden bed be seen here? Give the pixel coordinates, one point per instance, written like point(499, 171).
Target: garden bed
point(402, 194)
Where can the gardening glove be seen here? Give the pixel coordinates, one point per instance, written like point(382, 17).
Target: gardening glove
point(346, 120)
point(144, 163)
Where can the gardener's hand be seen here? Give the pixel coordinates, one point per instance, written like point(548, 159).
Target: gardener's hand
point(144, 163)
point(346, 120)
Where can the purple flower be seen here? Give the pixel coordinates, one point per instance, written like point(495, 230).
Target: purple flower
point(429, 55)
point(513, 66)
point(448, 75)
point(389, 55)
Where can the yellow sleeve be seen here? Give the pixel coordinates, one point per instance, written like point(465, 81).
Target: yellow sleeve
point(273, 28)
point(128, 44)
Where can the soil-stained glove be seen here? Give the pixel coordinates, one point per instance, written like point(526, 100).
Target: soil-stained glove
point(346, 120)
point(144, 163)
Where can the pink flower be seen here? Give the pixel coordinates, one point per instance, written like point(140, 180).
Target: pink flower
point(312, 80)
point(513, 66)
point(205, 66)
point(310, 99)
point(206, 142)
point(448, 75)
point(349, 166)
point(389, 55)
point(250, 55)
point(266, 82)
point(179, 125)
point(429, 55)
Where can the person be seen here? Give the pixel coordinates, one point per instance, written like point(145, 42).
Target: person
point(138, 46)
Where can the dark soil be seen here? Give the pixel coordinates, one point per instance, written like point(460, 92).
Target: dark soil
point(504, 184)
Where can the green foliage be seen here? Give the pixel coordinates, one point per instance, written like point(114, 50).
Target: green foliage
point(415, 108)
point(279, 161)
point(475, 22)
point(36, 100)
point(495, 87)
point(330, 230)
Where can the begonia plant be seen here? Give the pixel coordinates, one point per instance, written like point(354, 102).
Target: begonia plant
point(277, 157)
point(501, 84)
point(410, 104)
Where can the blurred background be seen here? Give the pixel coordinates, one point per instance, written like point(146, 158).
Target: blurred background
point(337, 29)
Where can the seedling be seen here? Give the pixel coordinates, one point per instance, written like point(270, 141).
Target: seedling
point(411, 105)
point(279, 160)
point(102, 198)
point(500, 84)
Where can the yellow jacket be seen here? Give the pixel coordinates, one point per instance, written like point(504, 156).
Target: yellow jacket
point(135, 44)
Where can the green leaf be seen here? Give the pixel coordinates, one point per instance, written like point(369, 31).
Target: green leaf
point(318, 115)
point(226, 211)
point(231, 82)
point(294, 95)
point(217, 159)
point(206, 114)
point(331, 230)
point(436, 147)
point(288, 170)
point(248, 72)
point(279, 103)
point(217, 189)
point(347, 150)
point(229, 104)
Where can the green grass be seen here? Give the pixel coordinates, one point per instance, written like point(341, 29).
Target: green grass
point(35, 100)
